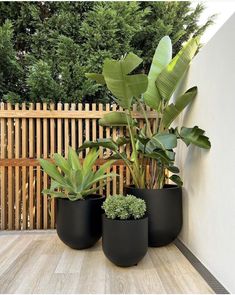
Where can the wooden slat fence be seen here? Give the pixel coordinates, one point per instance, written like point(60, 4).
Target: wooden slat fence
point(32, 131)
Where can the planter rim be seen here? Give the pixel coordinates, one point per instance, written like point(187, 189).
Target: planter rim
point(125, 220)
point(98, 197)
point(171, 187)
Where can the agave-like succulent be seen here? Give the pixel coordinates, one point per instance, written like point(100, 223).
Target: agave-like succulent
point(72, 179)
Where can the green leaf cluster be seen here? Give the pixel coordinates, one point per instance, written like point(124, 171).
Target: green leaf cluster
point(72, 179)
point(47, 47)
point(153, 149)
point(124, 207)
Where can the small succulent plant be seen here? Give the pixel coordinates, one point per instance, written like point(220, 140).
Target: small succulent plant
point(124, 207)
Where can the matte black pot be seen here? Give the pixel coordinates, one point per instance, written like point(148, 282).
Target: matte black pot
point(79, 223)
point(125, 242)
point(164, 208)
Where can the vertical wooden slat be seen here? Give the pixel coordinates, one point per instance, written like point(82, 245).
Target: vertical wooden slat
point(45, 176)
point(38, 174)
point(73, 128)
point(87, 127)
point(101, 130)
point(24, 171)
point(17, 172)
point(10, 195)
point(3, 173)
point(80, 130)
point(59, 131)
point(107, 135)
point(52, 151)
point(66, 132)
point(31, 178)
point(94, 133)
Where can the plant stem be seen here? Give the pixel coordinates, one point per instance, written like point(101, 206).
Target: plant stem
point(149, 132)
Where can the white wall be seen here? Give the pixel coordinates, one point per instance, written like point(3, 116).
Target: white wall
point(209, 176)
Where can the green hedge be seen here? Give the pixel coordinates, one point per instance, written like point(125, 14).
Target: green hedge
point(47, 47)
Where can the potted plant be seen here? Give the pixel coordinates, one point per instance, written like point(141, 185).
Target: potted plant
point(125, 230)
point(78, 210)
point(153, 150)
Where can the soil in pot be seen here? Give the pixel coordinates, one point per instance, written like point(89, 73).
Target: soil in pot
point(164, 209)
point(79, 223)
point(125, 242)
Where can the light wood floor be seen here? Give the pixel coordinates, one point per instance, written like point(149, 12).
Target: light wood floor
point(40, 263)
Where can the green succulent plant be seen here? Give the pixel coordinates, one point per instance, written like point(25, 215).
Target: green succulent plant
point(124, 207)
point(153, 149)
point(72, 179)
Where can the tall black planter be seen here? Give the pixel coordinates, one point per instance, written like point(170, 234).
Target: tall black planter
point(79, 223)
point(164, 208)
point(125, 242)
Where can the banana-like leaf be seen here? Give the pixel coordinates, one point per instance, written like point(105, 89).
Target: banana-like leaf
point(51, 170)
point(176, 179)
point(74, 160)
point(122, 140)
point(108, 143)
point(99, 78)
point(195, 136)
point(164, 141)
point(161, 59)
point(114, 119)
point(173, 169)
point(123, 86)
point(169, 78)
point(173, 110)
point(164, 156)
point(62, 163)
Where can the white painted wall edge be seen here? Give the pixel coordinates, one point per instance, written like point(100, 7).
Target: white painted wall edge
point(209, 183)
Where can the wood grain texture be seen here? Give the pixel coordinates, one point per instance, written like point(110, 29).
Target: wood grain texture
point(38, 262)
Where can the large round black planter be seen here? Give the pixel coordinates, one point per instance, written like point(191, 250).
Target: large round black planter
point(125, 242)
point(164, 208)
point(79, 223)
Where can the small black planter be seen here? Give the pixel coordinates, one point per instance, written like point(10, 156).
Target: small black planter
point(79, 223)
point(164, 208)
point(125, 242)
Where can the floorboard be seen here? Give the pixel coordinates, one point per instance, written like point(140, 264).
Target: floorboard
point(38, 262)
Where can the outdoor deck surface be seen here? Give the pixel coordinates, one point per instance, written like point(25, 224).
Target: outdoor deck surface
point(38, 262)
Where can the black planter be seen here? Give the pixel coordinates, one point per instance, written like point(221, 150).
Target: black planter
point(125, 242)
point(79, 223)
point(164, 208)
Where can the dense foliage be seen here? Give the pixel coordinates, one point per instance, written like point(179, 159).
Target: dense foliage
point(47, 47)
point(124, 207)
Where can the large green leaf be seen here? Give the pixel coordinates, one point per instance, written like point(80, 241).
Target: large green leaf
point(123, 86)
point(195, 136)
point(176, 179)
point(51, 170)
point(169, 78)
point(62, 163)
point(161, 59)
point(106, 143)
point(73, 159)
point(114, 119)
point(173, 110)
point(164, 141)
point(99, 78)
point(89, 161)
point(102, 169)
